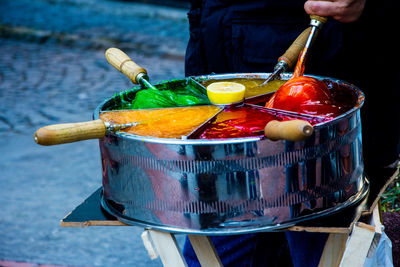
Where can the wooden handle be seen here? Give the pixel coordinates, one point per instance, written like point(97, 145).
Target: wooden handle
point(319, 18)
point(70, 132)
point(292, 54)
point(294, 130)
point(122, 62)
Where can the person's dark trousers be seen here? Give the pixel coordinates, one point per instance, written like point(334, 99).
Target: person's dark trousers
point(306, 248)
point(265, 249)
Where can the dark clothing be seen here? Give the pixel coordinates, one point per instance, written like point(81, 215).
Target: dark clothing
point(249, 36)
point(265, 249)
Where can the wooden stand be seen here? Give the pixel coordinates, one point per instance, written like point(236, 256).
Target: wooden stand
point(343, 247)
point(348, 243)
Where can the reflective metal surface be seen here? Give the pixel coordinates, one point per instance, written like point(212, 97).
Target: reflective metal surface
point(233, 186)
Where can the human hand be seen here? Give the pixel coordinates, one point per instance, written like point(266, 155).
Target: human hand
point(341, 10)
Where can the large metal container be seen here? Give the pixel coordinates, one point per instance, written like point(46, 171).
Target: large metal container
point(234, 186)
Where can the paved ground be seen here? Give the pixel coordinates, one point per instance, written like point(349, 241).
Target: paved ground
point(53, 70)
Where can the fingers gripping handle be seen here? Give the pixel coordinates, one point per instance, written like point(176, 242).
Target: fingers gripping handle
point(70, 132)
point(122, 62)
point(294, 130)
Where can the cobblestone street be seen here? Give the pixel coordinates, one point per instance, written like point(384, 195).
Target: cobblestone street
point(53, 70)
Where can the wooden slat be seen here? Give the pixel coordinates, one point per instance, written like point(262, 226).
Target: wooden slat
point(358, 245)
point(92, 223)
point(167, 248)
point(99, 221)
point(376, 219)
point(333, 250)
point(148, 244)
point(205, 251)
point(330, 230)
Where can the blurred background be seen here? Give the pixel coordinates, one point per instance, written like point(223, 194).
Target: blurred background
point(53, 70)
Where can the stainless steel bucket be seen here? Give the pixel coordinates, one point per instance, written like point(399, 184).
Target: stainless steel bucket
point(234, 186)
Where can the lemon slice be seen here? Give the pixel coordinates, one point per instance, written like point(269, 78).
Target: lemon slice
point(222, 93)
